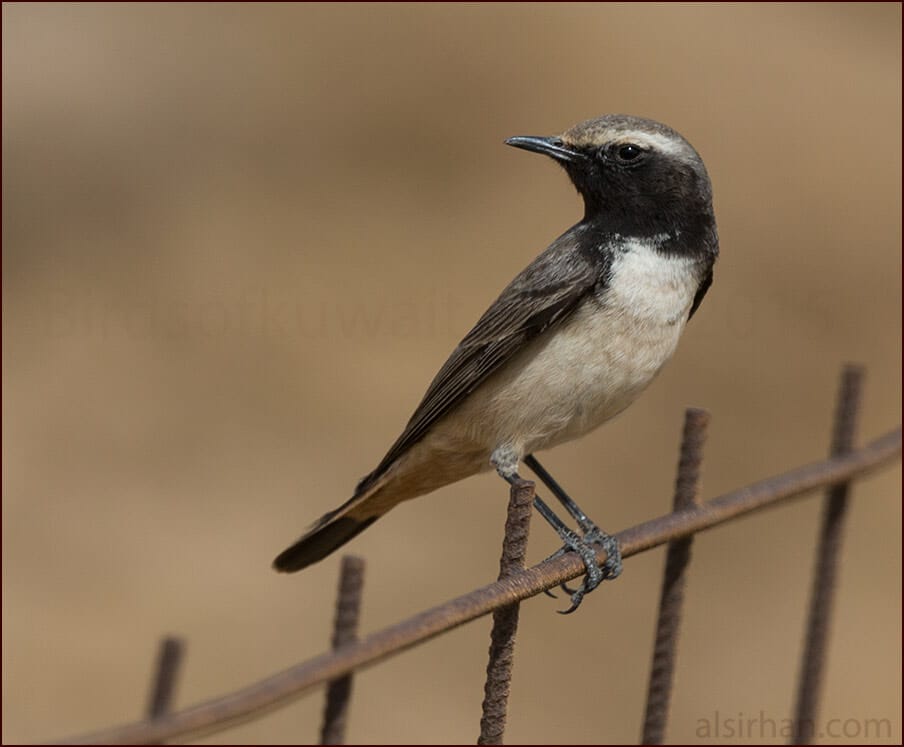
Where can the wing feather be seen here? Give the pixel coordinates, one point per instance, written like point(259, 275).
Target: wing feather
point(544, 294)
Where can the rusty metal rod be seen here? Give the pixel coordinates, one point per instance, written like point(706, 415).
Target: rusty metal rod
point(671, 598)
point(279, 689)
point(345, 632)
point(826, 568)
point(163, 686)
point(505, 619)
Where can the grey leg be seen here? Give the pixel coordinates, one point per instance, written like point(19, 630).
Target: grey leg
point(592, 533)
point(505, 460)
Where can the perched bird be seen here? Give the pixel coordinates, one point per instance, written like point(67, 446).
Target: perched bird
point(569, 344)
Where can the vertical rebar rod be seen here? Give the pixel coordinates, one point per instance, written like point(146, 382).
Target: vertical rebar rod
point(505, 619)
point(345, 631)
point(671, 599)
point(163, 686)
point(826, 569)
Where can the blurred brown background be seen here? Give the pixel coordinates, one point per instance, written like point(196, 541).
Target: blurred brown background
point(239, 240)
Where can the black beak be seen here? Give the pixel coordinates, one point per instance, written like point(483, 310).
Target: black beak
point(550, 146)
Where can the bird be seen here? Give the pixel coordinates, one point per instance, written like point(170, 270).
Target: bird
point(570, 343)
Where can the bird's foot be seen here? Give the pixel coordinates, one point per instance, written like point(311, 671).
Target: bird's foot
point(505, 460)
point(612, 568)
point(586, 548)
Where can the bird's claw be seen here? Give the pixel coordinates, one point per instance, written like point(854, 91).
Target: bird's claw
point(566, 588)
point(563, 586)
point(586, 548)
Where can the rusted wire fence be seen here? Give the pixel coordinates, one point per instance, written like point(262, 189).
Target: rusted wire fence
point(515, 583)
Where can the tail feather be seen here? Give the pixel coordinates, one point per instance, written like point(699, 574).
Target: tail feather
point(326, 537)
point(332, 530)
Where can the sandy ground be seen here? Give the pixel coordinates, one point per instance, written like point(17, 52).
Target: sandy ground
point(238, 242)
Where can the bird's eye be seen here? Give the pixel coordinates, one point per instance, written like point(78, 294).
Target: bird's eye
point(628, 152)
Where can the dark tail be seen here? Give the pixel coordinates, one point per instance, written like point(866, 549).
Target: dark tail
point(331, 532)
point(319, 543)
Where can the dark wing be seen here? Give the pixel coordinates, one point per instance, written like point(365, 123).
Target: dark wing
point(701, 292)
point(544, 294)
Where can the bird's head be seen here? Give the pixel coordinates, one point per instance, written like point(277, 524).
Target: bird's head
point(630, 170)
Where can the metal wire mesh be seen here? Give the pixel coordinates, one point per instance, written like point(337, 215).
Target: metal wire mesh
point(516, 584)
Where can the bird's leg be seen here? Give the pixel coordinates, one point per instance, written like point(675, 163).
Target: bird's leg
point(587, 526)
point(506, 462)
point(592, 533)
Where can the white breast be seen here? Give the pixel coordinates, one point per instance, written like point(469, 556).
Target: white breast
point(588, 370)
point(655, 289)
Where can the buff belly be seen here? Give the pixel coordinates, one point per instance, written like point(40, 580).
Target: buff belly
point(564, 383)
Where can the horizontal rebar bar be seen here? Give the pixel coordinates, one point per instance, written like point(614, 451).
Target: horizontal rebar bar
point(281, 688)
